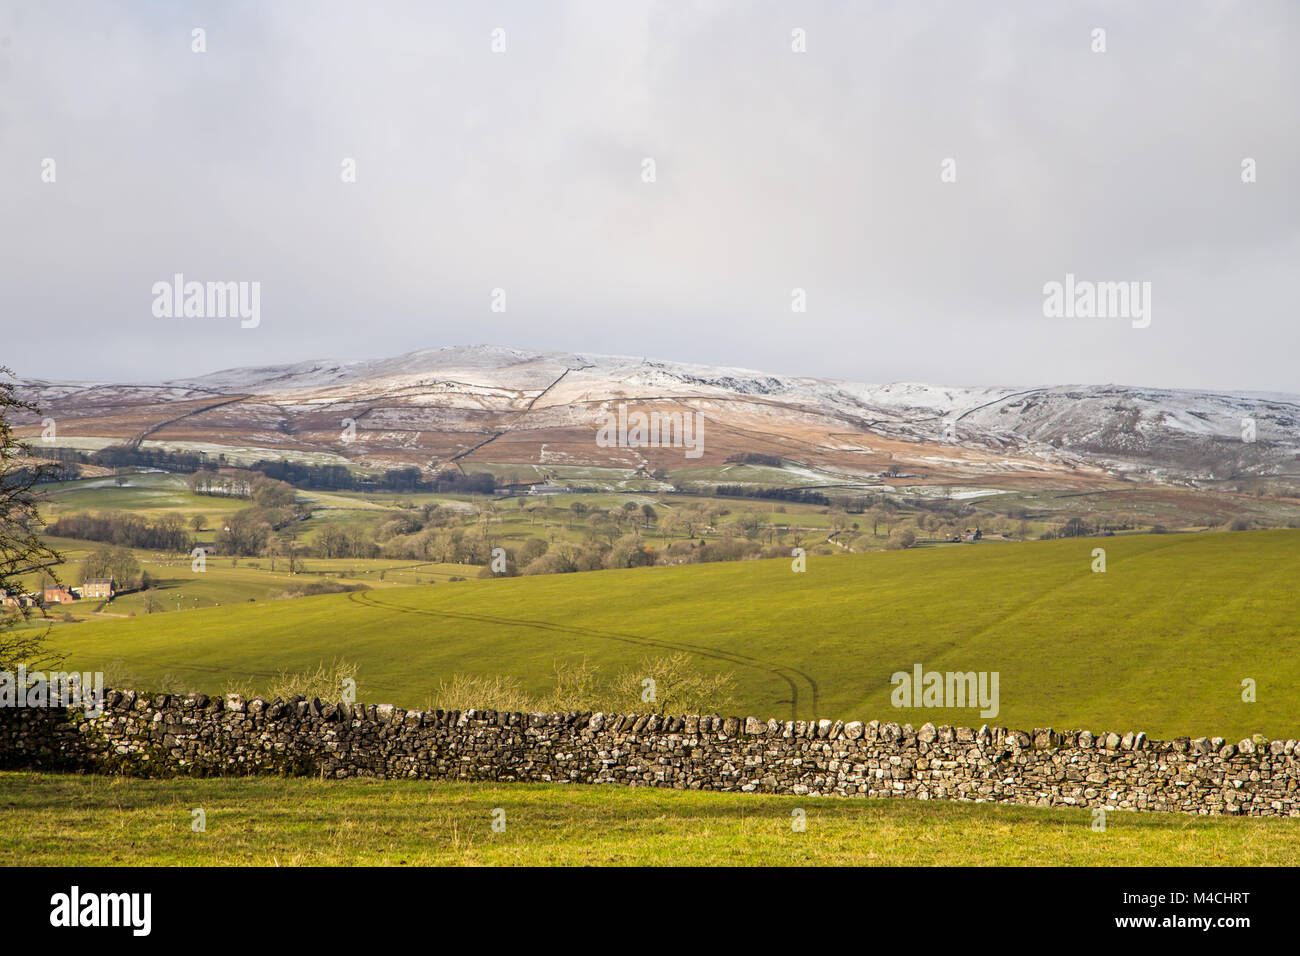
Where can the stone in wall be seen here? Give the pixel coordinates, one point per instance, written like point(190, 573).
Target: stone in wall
point(167, 735)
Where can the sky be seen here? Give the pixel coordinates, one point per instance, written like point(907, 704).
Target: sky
point(920, 170)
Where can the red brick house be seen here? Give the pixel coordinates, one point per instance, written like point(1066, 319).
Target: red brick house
point(58, 594)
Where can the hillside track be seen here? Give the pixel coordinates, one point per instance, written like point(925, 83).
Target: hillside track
point(791, 676)
point(159, 426)
point(514, 422)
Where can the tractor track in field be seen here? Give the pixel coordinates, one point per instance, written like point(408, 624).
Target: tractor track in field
point(368, 599)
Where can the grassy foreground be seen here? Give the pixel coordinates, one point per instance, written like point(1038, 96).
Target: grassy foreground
point(63, 820)
point(1160, 642)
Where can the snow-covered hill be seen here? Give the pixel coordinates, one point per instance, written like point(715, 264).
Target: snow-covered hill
point(1159, 433)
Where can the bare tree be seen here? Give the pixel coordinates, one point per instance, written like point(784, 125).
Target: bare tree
point(21, 549)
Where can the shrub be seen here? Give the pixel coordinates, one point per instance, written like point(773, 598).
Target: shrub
point(576, 689)
point(310, 588)
point(476, 692)
point(325, 682)
point(678, 688)
point(902, 538)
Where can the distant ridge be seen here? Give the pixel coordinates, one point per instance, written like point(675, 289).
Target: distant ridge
point(494, 404)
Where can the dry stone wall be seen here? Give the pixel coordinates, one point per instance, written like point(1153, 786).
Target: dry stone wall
point(167, 735)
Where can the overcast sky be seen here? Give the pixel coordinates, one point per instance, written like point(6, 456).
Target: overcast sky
point(523, 170)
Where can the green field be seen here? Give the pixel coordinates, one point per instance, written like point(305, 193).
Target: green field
point(1185, 508)
point(227, 581)
point(1160, 642)
point(149, 495)
point(143, 493)
point(67, 820)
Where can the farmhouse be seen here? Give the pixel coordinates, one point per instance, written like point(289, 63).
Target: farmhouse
point(98, 588)
point(58, 594)
point(517, 487)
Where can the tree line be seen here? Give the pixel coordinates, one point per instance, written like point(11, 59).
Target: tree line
point(799, 495)
point(409, 479)
point(306, 476)
point(166, 533)
point(129, 456)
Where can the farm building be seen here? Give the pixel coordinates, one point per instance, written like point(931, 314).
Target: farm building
point(97, 588)
point(58, 594)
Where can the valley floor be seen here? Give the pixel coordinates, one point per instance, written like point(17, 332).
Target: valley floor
point(59, 820)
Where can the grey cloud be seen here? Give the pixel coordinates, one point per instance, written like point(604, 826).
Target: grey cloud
point(775, 170)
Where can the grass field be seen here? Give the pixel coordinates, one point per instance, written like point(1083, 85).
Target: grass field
point(226, 581)
point(146, 494)
point(64, 820)
point(1185, 508)
point(1160, 642)
point(150, 495)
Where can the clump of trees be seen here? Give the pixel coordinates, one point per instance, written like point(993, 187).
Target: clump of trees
point(409, 479)
point(623, 536)
point(166, 533)
point(1079, 528)
point(45, 472)
point(250, 532)
point(245, 533)
point(321, 477)
point(754, 458)
point(901, 538)
point(129, 456)
point(238, 483)
point(802, 495)
point(313, 588)
point(345, 541)
point(120, 564)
